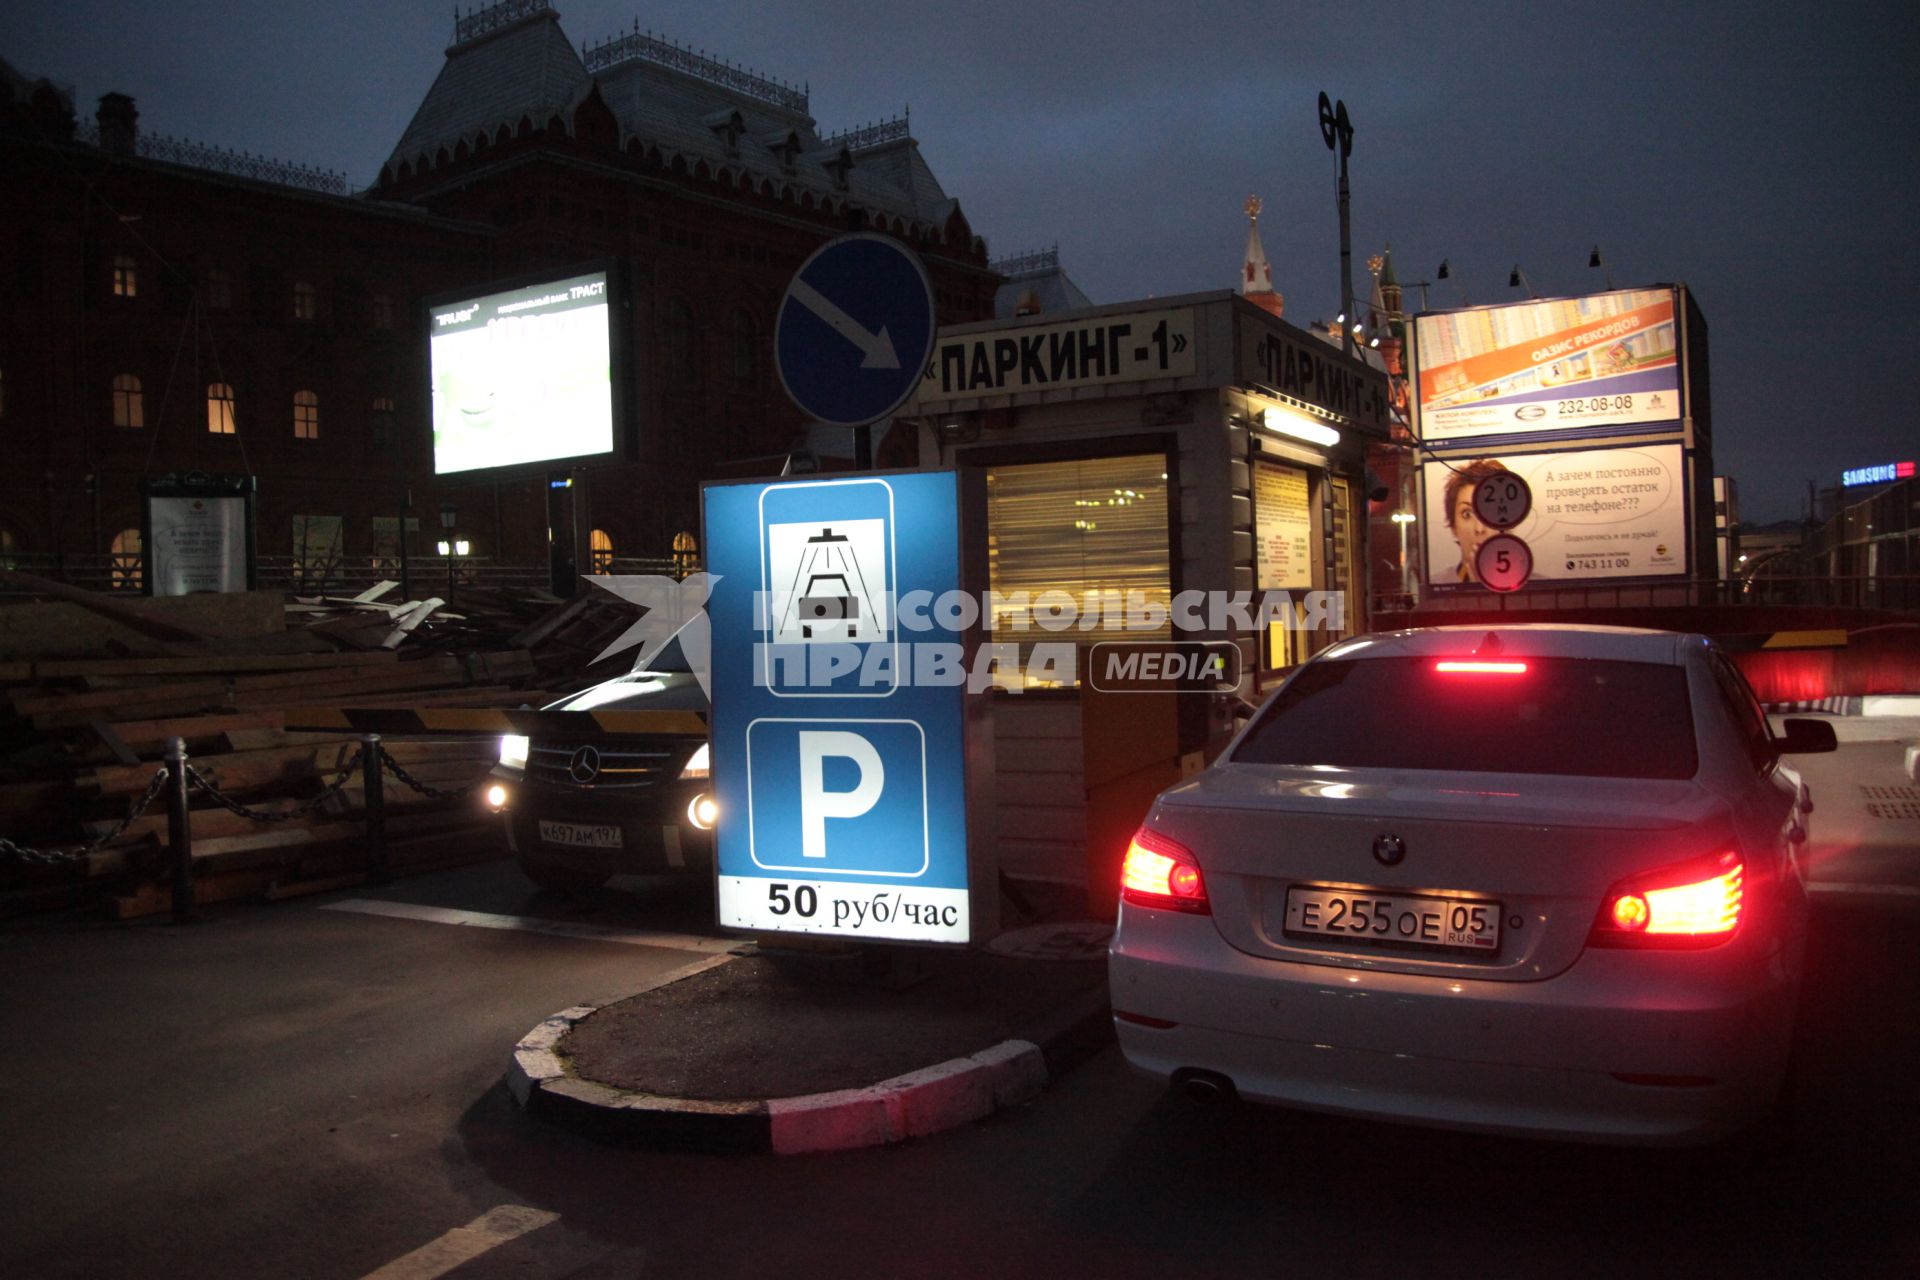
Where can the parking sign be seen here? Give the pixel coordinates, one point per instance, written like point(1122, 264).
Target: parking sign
point(841, 778)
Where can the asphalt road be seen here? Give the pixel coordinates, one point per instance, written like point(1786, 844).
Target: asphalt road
point(294, 1091)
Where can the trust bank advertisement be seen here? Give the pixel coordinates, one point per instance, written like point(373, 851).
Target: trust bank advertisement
point(1597, 513)
point(1608, 359)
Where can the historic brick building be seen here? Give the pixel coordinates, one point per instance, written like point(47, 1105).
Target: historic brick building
point(177, 308)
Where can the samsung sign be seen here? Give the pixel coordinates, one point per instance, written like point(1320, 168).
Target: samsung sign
point(1885, 473)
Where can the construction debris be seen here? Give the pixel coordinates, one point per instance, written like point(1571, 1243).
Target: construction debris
point(81, 738)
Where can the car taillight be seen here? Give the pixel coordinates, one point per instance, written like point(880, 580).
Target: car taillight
point(1690, 904)
point(1162, 873)
point(1454, 667)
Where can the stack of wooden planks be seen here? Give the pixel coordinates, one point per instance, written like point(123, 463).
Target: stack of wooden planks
point(87, 735)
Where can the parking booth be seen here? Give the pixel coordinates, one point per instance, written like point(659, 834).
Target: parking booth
point(1192, 453)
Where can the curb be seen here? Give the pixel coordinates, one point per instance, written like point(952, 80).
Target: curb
point(944, 1096)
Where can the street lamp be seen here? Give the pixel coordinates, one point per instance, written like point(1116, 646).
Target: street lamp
point(1403, 519)
point(449, 548)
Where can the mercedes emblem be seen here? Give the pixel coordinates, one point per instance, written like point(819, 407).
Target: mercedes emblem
point(585, 767)
point(1389, 850)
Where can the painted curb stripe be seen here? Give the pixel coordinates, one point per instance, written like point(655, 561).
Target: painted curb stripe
point(489, 1231)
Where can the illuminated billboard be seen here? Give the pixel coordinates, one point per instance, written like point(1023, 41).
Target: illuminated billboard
point(1558, 365)
point(1884, 473)
point(524, 376)
point(1597, 513)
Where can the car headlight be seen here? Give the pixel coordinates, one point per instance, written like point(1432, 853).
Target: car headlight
point(696, 766)
point(513, 751)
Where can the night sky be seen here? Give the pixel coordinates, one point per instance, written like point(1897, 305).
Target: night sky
point(1762, 153)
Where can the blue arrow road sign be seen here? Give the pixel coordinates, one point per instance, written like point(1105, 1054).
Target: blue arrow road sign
point(854, 330)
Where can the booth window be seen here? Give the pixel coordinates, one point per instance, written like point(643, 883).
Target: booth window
point(1096, 529)
point(129, 402)
point(123, 561)
point(600, 550)
point(126, 276)
point(306, 416)
point(220, 409)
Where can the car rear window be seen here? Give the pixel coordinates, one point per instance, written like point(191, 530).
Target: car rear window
point(1583, 717)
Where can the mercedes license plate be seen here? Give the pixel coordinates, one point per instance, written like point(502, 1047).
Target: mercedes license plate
point(580, 835)
point(1448, 924)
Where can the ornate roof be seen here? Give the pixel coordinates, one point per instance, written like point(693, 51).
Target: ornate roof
point(511, 61)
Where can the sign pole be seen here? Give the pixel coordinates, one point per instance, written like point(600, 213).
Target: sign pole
point(863, 447)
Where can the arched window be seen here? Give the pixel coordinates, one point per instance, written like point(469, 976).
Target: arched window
point(686, 553)
point(129, 404)
point(306, 416)
point(678, 338)
point(600, 550)
point(306, 302)
point(743, 349)
point(126, 276)
point(123, 561)
point(220, 406)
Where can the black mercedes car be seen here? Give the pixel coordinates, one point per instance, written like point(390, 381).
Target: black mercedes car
point(584, 802)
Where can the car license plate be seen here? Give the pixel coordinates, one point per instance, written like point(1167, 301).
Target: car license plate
point(1453, 924)
point(580, 835)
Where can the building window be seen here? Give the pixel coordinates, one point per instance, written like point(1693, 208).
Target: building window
point(9, 545)
point(306, 303)
point(383, 311)
point(126, 276)
point(129, 404)
point(123, 561)
point(678, 338)
point(220, 405)
point(743, 350)
point(1095, 529)
point(306, 416)
point(381, 422)
point(3, 394)
point(219, 289)
point(600, 551)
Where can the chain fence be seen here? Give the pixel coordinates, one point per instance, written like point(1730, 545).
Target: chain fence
point(58, 857)
point(301, 810)
point(371, 759)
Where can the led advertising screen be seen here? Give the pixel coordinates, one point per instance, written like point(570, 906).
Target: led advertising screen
point(1597, 513)
point(1565, 364)
point(523, 376)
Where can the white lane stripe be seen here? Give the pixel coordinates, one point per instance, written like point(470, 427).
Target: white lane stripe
point(490, 1230)
point(1817, 887)
point(532, 924)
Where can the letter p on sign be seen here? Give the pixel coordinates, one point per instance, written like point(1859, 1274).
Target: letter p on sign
point(817, 804)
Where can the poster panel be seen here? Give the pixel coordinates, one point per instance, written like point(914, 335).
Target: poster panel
point(1282, 528)
point(1597, 513)
point(199, 544)
point(1562, 364)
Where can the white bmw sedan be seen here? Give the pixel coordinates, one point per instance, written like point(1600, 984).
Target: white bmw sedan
point(1530, 880)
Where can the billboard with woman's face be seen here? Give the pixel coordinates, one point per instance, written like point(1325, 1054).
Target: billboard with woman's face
point(1597, 513)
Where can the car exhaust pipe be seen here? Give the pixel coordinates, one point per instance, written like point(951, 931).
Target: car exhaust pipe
point(1205, 1086)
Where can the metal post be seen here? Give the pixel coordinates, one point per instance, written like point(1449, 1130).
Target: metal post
point(179, 831)
point(1346, 261)
point(376, 806)
point(863, 447)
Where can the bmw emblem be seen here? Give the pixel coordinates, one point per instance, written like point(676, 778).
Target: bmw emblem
point(585, 766)
point(1389, 850)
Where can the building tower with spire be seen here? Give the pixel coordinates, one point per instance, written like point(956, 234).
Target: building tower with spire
point(1256, 277)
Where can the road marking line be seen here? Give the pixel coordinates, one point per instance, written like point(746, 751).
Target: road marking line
point(532, 924)
point(1878, 890)
point(490, 1230)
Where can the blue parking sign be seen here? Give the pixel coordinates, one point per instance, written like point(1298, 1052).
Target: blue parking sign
point(841, 778)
